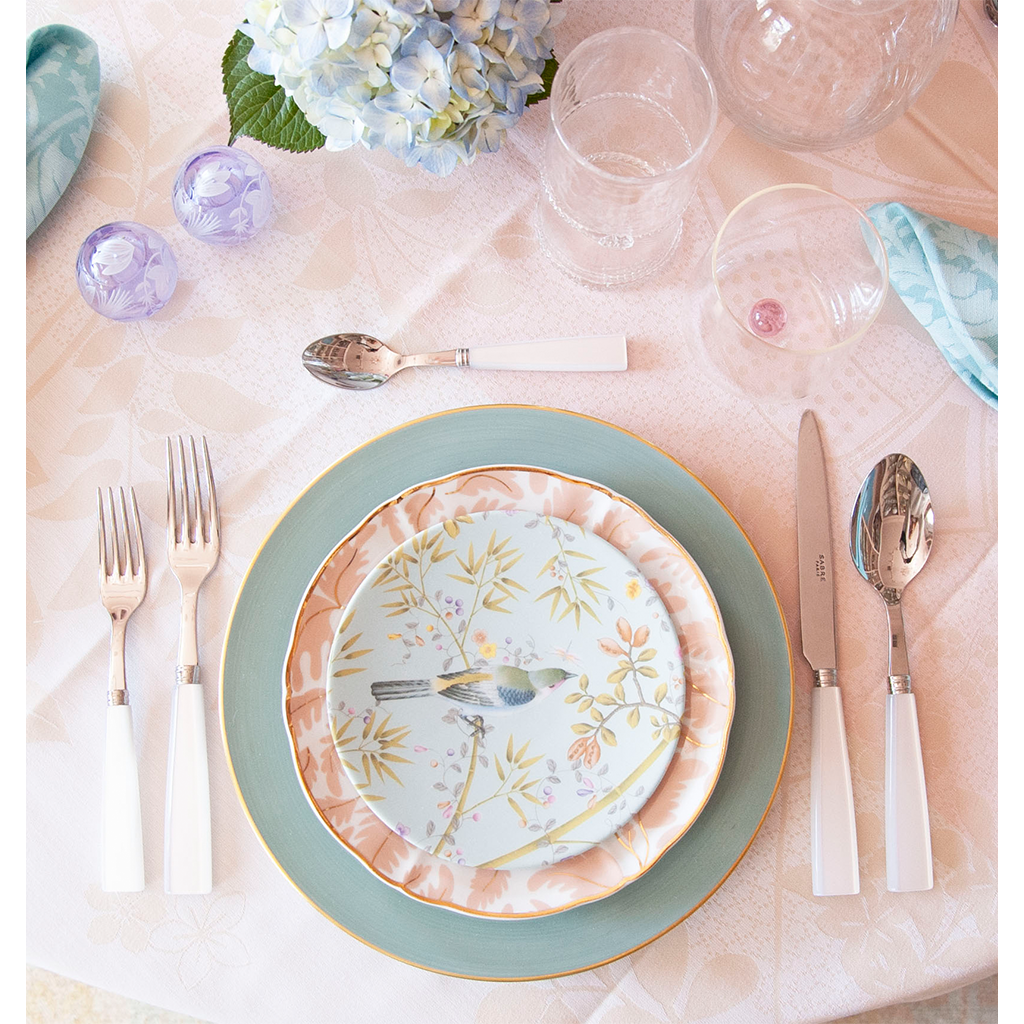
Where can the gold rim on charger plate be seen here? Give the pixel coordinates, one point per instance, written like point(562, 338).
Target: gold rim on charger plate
point(259, 551)
point(566, 478)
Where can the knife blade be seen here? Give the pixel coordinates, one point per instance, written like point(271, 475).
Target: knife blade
point(834, 867)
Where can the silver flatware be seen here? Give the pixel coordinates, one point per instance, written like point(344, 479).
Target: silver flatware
point(358, 362)
point(193, 546)
point(890, 540)
point(122, 588)
point(834, 867)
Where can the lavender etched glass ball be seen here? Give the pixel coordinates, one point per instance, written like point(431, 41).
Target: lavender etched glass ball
point(222, 196)
point(126, 271)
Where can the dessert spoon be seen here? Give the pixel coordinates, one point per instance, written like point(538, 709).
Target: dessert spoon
point(359, 362)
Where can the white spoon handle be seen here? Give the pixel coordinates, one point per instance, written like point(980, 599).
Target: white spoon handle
point(605, 352)
point(834, 868)
point(908, 844)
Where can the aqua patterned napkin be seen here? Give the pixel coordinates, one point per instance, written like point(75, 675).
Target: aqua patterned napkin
point(62, 93)
point(947, 276)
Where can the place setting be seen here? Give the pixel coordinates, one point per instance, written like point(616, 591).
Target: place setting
point(563, 641)
point(628, 762)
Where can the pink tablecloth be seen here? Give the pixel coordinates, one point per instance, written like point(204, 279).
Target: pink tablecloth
point(360, 242)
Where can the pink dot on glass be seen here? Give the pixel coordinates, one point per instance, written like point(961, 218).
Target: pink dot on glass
point(767, 317)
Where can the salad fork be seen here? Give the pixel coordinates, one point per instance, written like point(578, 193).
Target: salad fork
point(122, 588)
point(193, 545)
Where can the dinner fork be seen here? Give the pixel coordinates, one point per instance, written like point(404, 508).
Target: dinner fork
point(122, 588)
point(193, 545)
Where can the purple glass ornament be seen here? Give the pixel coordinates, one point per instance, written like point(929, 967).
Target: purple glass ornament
point(126, 271)
point(222, 196)
point(767, 317)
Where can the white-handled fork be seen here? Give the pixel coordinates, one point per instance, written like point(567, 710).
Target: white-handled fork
point(193, 545)
point(122, 588)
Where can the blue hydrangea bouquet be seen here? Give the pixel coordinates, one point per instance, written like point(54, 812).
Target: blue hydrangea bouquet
point(432, 81)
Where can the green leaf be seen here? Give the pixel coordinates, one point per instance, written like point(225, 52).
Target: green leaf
point(259, 108)
point(547, 77)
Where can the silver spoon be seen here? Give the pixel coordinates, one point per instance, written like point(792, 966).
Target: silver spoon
point(359, 362)
point(890, 540)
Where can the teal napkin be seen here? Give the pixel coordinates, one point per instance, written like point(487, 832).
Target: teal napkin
point(947, 276)
point(62, 93)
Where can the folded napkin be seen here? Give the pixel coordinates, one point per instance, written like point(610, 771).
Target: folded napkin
point(62, 93)
point(947, 278)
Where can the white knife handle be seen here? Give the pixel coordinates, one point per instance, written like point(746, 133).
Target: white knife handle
point(834, 867)
point(908, 843)
point(188, 857)
point(607, 352)
point(121, 867)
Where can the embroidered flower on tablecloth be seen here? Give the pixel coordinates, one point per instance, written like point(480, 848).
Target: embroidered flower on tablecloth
point(199, 934)
point(128, 917)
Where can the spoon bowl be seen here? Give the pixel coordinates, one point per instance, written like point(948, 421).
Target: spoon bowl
point(354, 361)
point(890, 541)
point(892, 526)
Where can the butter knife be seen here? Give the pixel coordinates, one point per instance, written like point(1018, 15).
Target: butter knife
point(834, 868)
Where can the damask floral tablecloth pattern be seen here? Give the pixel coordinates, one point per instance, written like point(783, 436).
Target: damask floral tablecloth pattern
point(357, 241)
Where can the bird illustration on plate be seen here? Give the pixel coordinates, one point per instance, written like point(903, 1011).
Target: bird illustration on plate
point(504, 686)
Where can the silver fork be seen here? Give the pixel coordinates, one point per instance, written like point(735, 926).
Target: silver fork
point(193, 545)
point(122, 588)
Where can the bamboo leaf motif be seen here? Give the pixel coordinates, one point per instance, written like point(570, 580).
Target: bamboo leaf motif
point(517, 809)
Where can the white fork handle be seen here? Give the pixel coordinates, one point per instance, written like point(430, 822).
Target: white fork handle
point(908, 842)
point(606, 352)
point(121, 867)
point(834, 868)
point(188, 855)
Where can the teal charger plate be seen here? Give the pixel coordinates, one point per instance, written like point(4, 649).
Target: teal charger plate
point(258, 747)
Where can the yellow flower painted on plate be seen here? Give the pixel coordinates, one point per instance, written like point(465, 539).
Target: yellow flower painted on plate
point(488, 650)
point(394, 636)
point(633, 589)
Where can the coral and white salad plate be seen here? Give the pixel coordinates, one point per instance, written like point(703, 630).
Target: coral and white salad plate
point(655, 576)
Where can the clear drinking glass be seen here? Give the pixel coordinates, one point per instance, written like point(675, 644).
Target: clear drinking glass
point(632, 111)
point(794, 277)
point(818, 74)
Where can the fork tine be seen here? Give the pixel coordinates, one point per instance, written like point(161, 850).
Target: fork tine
point(213, 515)
point(102, 534)
point(187, 534)
point(201, 519)
point(138, 536)
point(115, 534)
point(126, 536)
point(172, 505)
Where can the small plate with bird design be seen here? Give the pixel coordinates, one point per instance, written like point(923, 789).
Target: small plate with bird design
point(452, 708)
